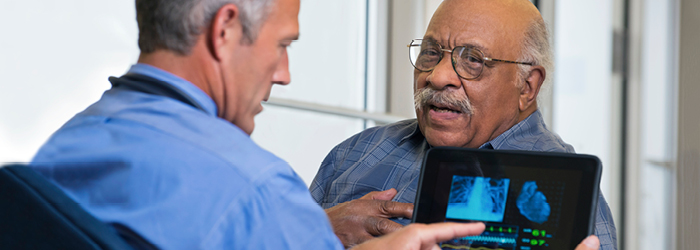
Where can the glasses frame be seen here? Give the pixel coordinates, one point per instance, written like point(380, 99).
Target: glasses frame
point(483, 57)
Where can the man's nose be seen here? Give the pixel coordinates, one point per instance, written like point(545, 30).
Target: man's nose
point(443, 75)
point(282, 75)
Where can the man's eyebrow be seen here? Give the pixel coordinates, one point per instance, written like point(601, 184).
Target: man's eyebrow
point(465, 44)
point(430, 39)
point(475, 45)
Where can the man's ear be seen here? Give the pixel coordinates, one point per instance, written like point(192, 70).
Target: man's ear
point(225, 31)
point(531, 87)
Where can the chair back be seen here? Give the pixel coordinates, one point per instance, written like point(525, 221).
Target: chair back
point(35, 214)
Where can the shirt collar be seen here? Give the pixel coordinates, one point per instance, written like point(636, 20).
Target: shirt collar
point(531, 122)
point(415, 132)
point(183, 85)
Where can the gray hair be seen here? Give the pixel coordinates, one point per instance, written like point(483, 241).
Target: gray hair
point(536, 49)
point(175, 24)
point(453, 99)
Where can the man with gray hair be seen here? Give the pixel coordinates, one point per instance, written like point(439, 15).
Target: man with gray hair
point(478, 71)
point(165, 157)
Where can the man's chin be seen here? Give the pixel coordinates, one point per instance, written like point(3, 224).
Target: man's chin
point(247, 123)
point(258, 109)
point(248, 128)
point(445, 138)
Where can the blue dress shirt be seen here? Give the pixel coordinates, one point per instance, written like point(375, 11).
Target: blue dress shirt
point(390, 156)
point(181, 177)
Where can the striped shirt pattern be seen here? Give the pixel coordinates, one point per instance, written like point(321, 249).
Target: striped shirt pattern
point(390, 156)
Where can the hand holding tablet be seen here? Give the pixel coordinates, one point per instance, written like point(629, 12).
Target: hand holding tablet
point(527, 200)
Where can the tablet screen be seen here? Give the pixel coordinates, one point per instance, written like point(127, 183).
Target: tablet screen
point(527, 201)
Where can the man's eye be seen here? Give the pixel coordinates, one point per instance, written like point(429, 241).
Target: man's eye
point(429, 52)
point(473, 59)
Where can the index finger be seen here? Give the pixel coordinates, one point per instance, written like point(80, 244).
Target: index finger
point(392, 209)
point(439, 232)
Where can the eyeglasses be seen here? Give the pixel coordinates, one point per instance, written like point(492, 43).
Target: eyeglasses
point(467, 61)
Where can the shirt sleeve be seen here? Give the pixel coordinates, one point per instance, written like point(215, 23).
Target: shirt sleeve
point(323, 179)
point(276, 212)
point(605, 226)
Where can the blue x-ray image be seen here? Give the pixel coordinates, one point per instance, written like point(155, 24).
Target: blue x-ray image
point(477, 198)
point(532, 203)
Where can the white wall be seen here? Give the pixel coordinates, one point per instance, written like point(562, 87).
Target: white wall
point(55, 57)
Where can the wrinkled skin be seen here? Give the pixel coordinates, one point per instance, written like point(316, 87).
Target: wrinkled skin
point(360, 220)
point(498, 99)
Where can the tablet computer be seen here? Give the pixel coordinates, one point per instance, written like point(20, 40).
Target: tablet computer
point(528, 200)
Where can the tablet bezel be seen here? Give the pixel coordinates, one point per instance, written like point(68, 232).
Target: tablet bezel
point(589, 166)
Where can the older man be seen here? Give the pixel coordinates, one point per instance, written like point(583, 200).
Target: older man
point(478, 71)
point(165, 155)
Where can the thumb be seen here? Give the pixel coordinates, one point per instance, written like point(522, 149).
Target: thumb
point(590, 243)
point(386, 195)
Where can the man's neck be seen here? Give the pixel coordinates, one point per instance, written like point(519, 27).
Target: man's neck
point(189, 67)
point(527, 112)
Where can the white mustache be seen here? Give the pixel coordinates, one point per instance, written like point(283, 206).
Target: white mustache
point(428, 96)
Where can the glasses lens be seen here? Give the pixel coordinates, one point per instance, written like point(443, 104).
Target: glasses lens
point(468, 62)
point(424, 55)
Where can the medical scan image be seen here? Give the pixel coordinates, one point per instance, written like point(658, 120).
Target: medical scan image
point(477, 198)
point(532, 203)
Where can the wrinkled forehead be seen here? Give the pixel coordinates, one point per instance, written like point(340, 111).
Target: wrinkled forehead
point(494, 26)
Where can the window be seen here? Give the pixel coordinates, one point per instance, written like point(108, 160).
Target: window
point(56, 57)
point(652, 126)
point(338, 84)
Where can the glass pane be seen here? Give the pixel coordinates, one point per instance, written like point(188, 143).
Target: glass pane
point(56, 57)
point(328, 62)
point(657, 125)
point(582, 87)
point(302, 138)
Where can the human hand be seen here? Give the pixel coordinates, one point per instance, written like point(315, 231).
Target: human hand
point(360, 220)
point(589, 243)
point(424, 237)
